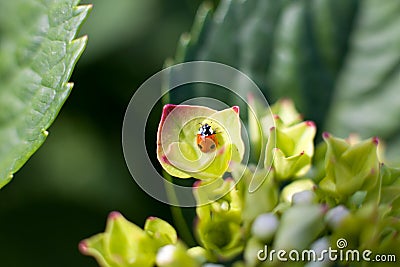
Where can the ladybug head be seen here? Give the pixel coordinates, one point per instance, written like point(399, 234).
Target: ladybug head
point(206, 130)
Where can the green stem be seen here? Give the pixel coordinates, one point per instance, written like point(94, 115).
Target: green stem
point(179, 219)
point(182, 226)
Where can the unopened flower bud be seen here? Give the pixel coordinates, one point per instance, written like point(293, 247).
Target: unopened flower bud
point(295, 187)
point(265, 226)
point(319, 246)
point(212, 265)
point(175, 256)
point(304, 197)
point(299, 226)
point(335, 216)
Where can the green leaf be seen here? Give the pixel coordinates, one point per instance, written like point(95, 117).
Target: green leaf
point(37, 55)
point(239, 33)
point(366, 94)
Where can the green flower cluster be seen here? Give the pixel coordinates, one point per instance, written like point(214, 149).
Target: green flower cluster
point(298, 198)
point(125, 244)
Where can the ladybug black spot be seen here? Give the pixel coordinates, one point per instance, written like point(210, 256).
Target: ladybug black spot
point(200, 146)
point(206, 130)
point(212, 146)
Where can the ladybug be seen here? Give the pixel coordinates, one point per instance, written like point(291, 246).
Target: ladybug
point(206, 139)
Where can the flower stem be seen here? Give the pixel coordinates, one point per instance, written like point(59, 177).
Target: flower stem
point(177, 214)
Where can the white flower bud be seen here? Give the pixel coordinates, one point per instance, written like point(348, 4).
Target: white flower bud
point(303, 197)
point(165, 255)
point(265, 226)
point(212, 265)
point(336, 215)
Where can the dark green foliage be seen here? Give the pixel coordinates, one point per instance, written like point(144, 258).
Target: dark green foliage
point(339, 60)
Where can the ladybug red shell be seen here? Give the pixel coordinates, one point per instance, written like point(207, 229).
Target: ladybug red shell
point(206, 139)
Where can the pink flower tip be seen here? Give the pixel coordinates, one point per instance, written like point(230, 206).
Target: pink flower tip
point(83, 247)
point(197, 184)
point(165, 159)
point(301, 153)
point(326, 135)
point(165, 112)
point(272, 128)
point(310, 123)
point(221, 151)
point(276, 117)
point(286, 101)
point(114, 215)
point(229, 180)
point(151, 218)
point(168, 108)
point(236, 109)
point(375, 140)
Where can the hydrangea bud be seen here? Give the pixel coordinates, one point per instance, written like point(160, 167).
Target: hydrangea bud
point(299, 226)
point(160, 231)
point(125, 244)
point(200, 254)
point(261, 200)
point(290, 149)
point(294, 187)
point(218, 225)
point(220, 236)
point(349, 167)
point(253, 246)
point(319, 246)
point(227, 204)
point(175, 256)
point(390, 175)
point(336, 215)
point(212, 265)
point(379, 231)
point(199, 142)
point(304, 197)
point(265, 226)
point(284, 114)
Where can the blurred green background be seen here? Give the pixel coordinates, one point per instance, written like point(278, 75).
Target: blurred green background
point(65, 191)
